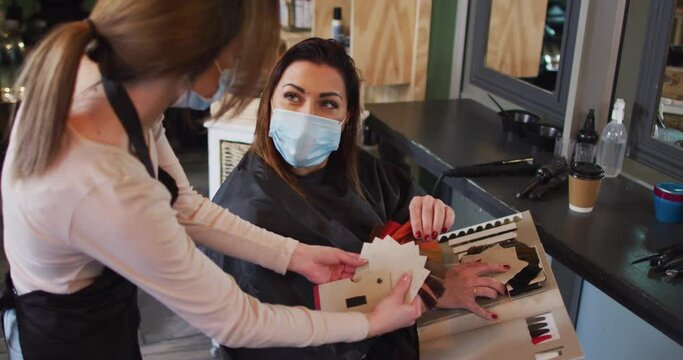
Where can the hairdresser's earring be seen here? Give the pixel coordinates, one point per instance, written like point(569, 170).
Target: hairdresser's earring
point(218, 66)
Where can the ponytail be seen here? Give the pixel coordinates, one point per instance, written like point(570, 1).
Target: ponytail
point(48, 78)
point(133, 40)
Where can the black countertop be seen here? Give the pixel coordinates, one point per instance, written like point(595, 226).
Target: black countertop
point(598, 246)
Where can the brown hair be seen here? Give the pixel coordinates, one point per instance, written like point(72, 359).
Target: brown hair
point(321, 52)
point(133, 40)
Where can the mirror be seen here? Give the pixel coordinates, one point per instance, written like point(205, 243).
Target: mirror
point(668, 124)
point(655, 131)
point(523, 50)
point(524, 40)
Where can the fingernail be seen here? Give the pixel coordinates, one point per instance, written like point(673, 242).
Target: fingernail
point(506, 267)
point(434, 235)
point(427, 238)
point(418, 234)
point(405, 277)
point(494, 316)
point(444, 230)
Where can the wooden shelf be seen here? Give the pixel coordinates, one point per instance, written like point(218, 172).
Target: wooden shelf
point(293, 37)
point(389, 41)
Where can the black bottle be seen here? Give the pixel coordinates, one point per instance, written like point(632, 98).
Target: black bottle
point(587, 134)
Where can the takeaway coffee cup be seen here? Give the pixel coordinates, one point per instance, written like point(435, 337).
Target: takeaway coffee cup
point(584, 185)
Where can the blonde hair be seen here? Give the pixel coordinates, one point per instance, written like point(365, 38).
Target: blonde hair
point(133, 40)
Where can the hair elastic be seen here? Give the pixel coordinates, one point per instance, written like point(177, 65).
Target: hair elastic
point(91, 27)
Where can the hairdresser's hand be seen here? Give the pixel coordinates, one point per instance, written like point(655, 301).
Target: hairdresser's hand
point(393, 312)
point(465, 282)
point(430, 217)
point(322, 264)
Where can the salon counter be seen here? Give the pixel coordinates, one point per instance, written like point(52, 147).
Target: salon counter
point(599, 247)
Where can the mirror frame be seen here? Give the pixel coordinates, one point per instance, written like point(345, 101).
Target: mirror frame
point(550, 105)
point(642, 146)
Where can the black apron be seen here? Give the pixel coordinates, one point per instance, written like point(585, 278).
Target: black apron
point(101, 320)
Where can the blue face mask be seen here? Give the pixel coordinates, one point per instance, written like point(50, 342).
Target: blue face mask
point(304, 140)
point(191, 99)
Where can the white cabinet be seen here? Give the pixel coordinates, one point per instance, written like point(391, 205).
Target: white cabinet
point(229, 138)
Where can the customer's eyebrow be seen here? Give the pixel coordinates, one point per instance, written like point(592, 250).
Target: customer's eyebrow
point(331, 93)
point(296, 87)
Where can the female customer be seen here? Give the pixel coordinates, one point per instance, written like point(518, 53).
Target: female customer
point(87, 222)
point(306, 177)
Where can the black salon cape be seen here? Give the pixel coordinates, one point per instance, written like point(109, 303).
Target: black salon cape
point(332, 215)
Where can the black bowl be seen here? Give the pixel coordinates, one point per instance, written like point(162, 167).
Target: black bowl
point(543, 134)
point(516, 120)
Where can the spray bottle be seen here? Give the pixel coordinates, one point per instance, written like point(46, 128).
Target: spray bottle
point(612, 145)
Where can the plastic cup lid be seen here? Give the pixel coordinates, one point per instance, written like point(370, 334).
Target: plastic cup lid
point(586, 170)
point(670, 191)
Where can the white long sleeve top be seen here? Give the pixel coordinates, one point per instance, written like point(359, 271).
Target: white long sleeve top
point(97, 206)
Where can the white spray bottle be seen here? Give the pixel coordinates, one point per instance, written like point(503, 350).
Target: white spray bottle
point(612, 145)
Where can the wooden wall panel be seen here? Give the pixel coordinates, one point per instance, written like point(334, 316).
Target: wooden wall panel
point(322, 17)
point(382, 40)
point(391, 49)
point(291, 38)
point(383, 94)
point(515, 36)
point(416, 90)
point(418, 83)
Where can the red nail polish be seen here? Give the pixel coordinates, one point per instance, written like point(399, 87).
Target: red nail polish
point(506, 267)
point(434, 235)
point(444, 230)
point(495, 317)
point(418, 234)
point(540, 339)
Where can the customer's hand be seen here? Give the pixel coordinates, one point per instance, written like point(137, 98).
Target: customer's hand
point(429, 217)
point(465, 282)
point(393, 312)
point(322, 264)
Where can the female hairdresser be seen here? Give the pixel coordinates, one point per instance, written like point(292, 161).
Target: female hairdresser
point(96, 204)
